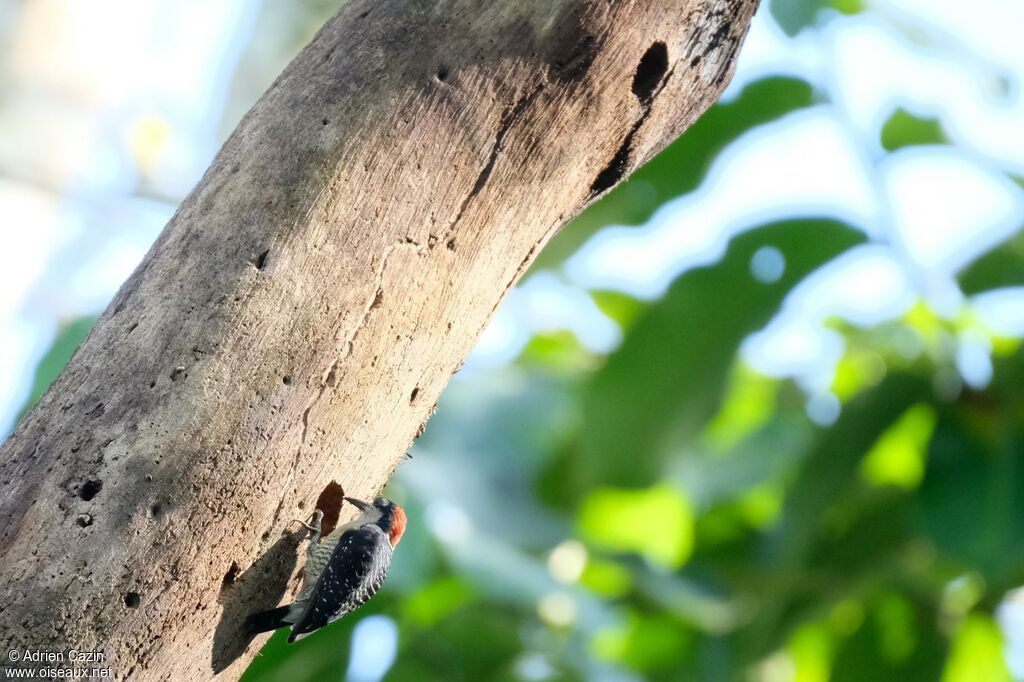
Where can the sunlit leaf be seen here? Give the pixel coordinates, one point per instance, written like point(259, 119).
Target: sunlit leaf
point(436, 600)
point(656, 522)
point(977, 654)
point(898, 457)
point(810, 651)
point(761, 506)
point(606, 578)
point(557, 352)
point(748, 405)
point(622, 308)
point(859, 368)
point(644, 643)
point(904, 129)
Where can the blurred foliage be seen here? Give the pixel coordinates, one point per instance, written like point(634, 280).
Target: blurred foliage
point(795, 15)
point(69, 337)
point(657, 392)
point(1000, 267)
point(904, 129)
point(664, 512)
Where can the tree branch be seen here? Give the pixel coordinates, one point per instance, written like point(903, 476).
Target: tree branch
point(297, 319)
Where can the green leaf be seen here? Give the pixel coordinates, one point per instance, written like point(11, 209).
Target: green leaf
point(971, 504)
point(833, 461)
point(898, 458)
point(810, 651)
point(557, 352)
point(1003, 266)
point(904, 129)
point(645, 642)
point(477, 642)
point(793, 16)
point(436, 600)
point(898, 641)
point(69, 338)
point(622, 308)
point(610, 518)
point(680, 167)
point(978, 653)
point(656, 393)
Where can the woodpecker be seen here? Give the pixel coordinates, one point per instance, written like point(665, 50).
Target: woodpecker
point(342, 572)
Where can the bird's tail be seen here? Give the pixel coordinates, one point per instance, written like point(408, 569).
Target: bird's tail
point(264, 621)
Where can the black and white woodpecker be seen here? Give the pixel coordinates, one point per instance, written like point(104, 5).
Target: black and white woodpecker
point(342, 572)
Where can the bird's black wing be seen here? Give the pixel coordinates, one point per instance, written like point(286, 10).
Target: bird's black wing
point(353, 574)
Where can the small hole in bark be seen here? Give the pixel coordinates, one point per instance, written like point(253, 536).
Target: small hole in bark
point(286, 380)
point(450, 244)
point(261, 259)
point(84, 520)
point(415, 392)
point(177, 372)
point(265, 536)
point(132, 600)
point(90, 489)
point(156, 510)
point(324, 121)
point(152, 384)
point(442, 74)
point(614, 171)
point(229, 577)
point(302, 505)
point(650, 71)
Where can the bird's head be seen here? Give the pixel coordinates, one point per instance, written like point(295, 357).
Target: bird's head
point(385, 513)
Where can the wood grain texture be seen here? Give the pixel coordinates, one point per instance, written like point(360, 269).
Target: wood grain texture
point(298, 317)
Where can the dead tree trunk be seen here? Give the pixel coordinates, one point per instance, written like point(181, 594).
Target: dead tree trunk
point(298, 317)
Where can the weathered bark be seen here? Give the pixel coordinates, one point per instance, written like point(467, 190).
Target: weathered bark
point(298, 317)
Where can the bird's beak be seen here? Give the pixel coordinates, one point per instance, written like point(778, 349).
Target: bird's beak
point(359, 504)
